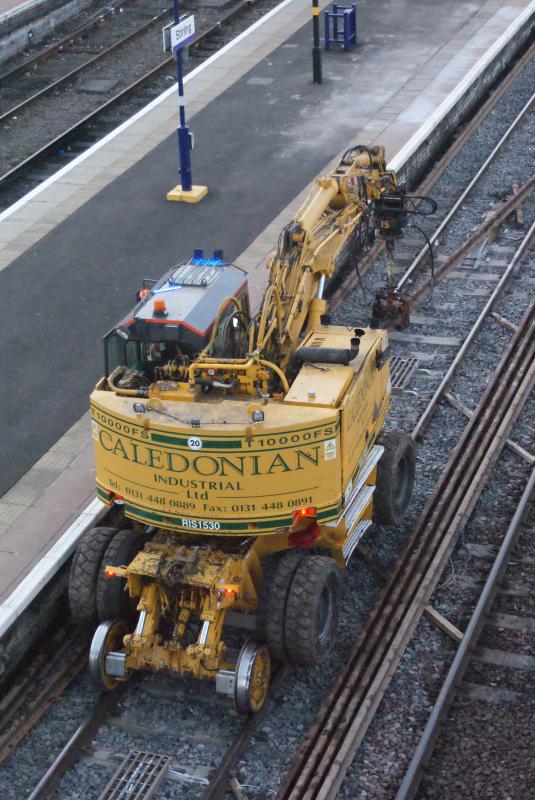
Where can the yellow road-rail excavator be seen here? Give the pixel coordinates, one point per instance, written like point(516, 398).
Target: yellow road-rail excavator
point(242, 453)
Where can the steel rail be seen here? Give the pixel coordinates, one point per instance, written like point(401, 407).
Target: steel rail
point(86, 64)
point(85, 731)
point(510, 444)
point(492, 222)
point(507, 276)
point(462, 197)
point(413, 775)
point(49, 51)
point(218, 786)
point(92, 117)
point(432, 177)
point(347, 712)
point(49, 679)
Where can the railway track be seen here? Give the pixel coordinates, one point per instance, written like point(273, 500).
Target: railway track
point(52, 669)
point(64, 37)
point(21, 160)
point(347, 713)
point(71, 33)
point(522, 526)
point(53, 86)
point(420, 261)
point(139, 768)
point(349, 709)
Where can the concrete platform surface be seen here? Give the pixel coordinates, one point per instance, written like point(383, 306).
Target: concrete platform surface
point(8, 7)
point(74, 251)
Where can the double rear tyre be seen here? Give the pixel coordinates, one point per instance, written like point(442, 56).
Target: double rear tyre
point(299, 606)
point(84, 574)
point(94, 597)
point(112, 598)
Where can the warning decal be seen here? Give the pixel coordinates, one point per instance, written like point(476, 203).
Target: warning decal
point(329, 449)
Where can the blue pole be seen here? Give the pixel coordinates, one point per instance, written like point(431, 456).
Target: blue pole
point(182, 130)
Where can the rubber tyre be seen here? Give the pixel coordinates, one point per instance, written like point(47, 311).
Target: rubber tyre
point(395, 478)
point(312, 610)
point(113, 600)
point(271, 609)
point(269, 565)
point(84, 573)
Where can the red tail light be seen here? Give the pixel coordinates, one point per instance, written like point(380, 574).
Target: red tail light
point(308, 530)
point(306, 537)
point(303, 513)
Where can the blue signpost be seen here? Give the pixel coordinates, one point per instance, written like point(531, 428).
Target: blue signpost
point(181, 35)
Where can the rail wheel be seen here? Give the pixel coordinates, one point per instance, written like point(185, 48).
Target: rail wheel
point(395, 478)
point(253, 674)
point(113, 600)
point(108, 638)
point(271, 611)
point(312, 610)
point(84, 573)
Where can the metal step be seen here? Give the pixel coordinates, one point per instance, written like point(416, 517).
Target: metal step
point(355, 538)
point(138, 777)
point(358, 506)
point(369, 465)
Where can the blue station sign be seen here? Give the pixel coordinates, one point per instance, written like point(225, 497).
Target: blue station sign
point(183, 33)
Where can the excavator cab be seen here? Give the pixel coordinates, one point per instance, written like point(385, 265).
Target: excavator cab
point(174, 318)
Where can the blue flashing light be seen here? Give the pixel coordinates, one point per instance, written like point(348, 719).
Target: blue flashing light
point(208, 262)
point(199, 260)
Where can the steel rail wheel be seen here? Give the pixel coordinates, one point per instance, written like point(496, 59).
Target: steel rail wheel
point(108, 638)
point(253, 674)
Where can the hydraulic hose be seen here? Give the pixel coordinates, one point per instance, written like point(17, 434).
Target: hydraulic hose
point(141, 392)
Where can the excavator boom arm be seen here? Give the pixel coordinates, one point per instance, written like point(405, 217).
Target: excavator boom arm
point(312, 245)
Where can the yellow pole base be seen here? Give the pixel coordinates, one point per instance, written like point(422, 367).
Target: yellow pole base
point(195, 195)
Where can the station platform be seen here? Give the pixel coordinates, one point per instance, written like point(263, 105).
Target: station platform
point(74, 250)
point(7, 7)
point(10, 8)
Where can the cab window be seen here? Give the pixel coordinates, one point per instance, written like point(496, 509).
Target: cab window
point(113, 352)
